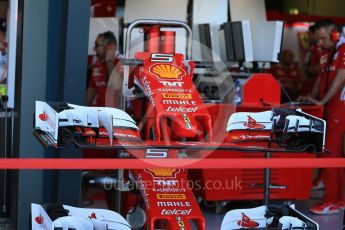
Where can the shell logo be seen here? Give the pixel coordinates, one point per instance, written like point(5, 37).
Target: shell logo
point(167, 71)
point(163, 172)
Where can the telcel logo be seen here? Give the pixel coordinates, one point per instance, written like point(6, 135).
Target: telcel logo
point(176, 212)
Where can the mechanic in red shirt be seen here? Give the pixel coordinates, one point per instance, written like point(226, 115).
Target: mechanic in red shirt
point(288, 74)
point(312, 62)
point(106, 67)
point(107, 59)
point(330, 90)
point(311, 72)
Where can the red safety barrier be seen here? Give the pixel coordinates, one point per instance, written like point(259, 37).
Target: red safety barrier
point(229, 163)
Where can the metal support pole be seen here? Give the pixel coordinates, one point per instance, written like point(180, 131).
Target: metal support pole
point(267, 182)
point(4, 204)
point(118, 207)
point(12, 134)
point(344, 218)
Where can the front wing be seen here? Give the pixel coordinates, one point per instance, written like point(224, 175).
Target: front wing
point(278, 130)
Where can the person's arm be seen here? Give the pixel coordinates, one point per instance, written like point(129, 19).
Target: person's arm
point(114, 90)
point(90, 95)
point(300, 79)
point(110, 58)
point(314, 93)
point(316, 88)
point(336, 85)
point(313, 69)
point(4, 73)
point(110, 66)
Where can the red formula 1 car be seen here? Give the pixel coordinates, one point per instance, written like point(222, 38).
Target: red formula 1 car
point(170, 120)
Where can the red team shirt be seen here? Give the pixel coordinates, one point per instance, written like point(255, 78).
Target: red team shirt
point(288, 78)
point(329, 70)
point(99, 78)
point(315, 51)
point(98, 81)
point(313, 60)
point(335, 117)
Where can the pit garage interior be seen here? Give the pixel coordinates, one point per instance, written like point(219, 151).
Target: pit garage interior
point(50, 46)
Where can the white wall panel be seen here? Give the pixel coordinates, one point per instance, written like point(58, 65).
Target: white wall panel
point(101, 25)
point(252, 10)
point(155, 9)
point(213, 12)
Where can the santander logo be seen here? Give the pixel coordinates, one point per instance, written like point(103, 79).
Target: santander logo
point(39, 219)
point(247, 222)
point(251, 123)
point(43, 116)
